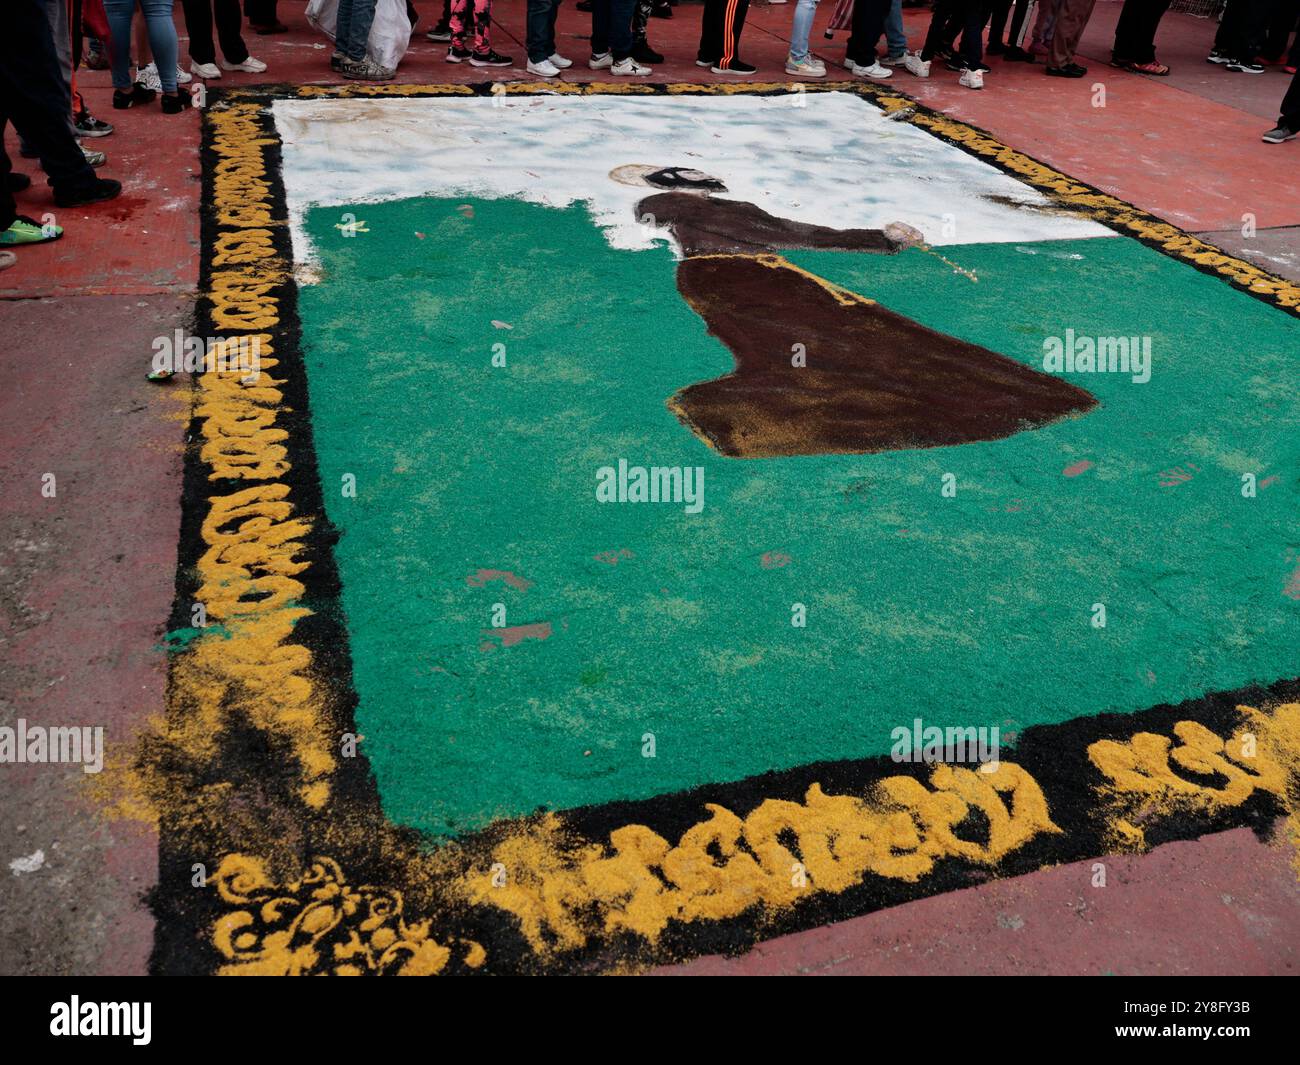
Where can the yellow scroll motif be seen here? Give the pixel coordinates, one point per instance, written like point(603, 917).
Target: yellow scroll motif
point(320, 925)
point(1149, 774)
point(563, 892)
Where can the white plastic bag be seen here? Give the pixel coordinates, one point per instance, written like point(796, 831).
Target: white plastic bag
point(390, 33)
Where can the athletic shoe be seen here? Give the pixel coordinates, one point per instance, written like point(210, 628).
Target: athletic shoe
point(643, 53)
point(957, 65)
point(138, 95)
point(458, 55)
point(89, 126)
point(28, 231)
point(336, 62)
point(543, 69)
point(206, 71)
point(490, 59)
point(183, 77)
point(560, 63)
point(662, 11)
point(808, 67)
point(93, 157)
point(1068, 71)
point(366, 69)
point(1278, 135)
point(1016, 54)
point(996, 48)
point(98, 189)
point(1245, 66)
point(914, 64)
point(738, 67)
point(441, 32)
point(875, 70)
point(147, 77)
point(706, 62)
point(629, 67)
point(893, 60)
point(601, 62)
point(1218, 57)
point(174, 105)
point(972, 79)
point(248, 66)
point(96, 58)
point(267, 30)
point(7, 259)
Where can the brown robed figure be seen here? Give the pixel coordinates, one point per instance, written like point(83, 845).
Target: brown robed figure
point(873, 380)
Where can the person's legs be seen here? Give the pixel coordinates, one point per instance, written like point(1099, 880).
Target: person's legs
point(1290, 117)
point(352, 34)
point(35, 98)
point(541, 29)
point(1070, 20)
point(198, 27)
point(640, 19)
point(1045, 23)
point(711, 31)
point(459, 11)
point(936, 37)
point(119, 14)
point(162, 40)
point(895, 35)
point(804, 10)
point(998, 24)
point(972, 34)
point(550, 27)
point(228, 31)
point(865, 29)
point(620, 28)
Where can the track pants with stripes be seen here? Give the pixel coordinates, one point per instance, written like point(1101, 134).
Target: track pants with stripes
point(720, 31)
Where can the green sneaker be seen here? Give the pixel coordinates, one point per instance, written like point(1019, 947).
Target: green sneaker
point(26, 231)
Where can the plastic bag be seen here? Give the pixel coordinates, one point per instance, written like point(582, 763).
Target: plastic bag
point(390, 33)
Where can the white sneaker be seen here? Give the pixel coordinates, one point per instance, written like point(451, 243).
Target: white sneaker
point(544, 69)
point(183, 77)
point(205, 70)
point(249, 65)
point(629, 66)
point(558, 61)
point(148, 77)
point(972, 79)
point(916, 65)
point(602, 61)
point(808, 67)
point(880, 73)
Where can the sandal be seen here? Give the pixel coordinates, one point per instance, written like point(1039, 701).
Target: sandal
point(1159, 70)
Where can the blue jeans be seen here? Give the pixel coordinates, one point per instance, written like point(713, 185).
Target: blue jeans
point(162, 39)
point(352, 30)
point(894, 35)
point(541, 29)
point(804, 10)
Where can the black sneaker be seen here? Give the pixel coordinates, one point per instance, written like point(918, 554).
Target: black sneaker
point(1218, 57)
point(1278, 135)
point(662, 11)
point(490, 59)
point(138, 95)
point(643, 53)
point(89, 126)
point(1016, 54)
point(1070, 70)
point(1245, 66)
point(440, 32)
point(97, 190)
point(174, 105)
point(706, 62)
point(458, 55)
point(736, 66)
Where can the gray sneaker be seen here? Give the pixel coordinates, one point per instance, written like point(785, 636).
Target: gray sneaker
point(365, 70)
point(1278, 135)
point(93, 157)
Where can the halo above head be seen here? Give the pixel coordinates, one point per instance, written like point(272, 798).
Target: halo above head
point(678, 178)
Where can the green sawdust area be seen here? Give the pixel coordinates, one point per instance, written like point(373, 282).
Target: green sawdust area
point(970, 610)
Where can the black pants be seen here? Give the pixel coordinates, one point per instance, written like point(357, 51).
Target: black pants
point(998, 22)
point(948, 14)
point(1135, 33)
point(1280, 24)
point(34, 97)
point(720, 30)
point(198, 24)
point(611, 28)
point(865, 30)
point(1241, 33)
point(1291, 105)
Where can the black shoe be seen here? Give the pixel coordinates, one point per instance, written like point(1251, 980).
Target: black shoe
point(138, 95)
point(996, 48)
point(959, 64)
point(584, 5)
point(99, 189)
point(89, 126)
point(662, 11)
point(440, 32)
point(643, 53)
point(17, 182)
point(736, 66)
point(458, 55)
point(490, 59)
point(174, 105)
point(1245, 66)
point(1016, 54)
point(1218, 57)
point(1278, 135)
point(1070, 70)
